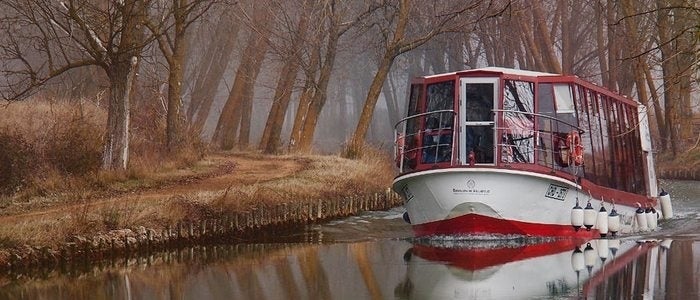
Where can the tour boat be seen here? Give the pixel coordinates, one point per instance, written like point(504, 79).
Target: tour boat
point(514, 152)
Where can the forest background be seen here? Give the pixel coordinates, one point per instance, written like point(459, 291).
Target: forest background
point(128, 87)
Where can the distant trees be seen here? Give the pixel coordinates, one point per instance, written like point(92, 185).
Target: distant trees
point(300, 72)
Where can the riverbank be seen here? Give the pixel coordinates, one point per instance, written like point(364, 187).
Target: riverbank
point(227, 196)
point(684, 167)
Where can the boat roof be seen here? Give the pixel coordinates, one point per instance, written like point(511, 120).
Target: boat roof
point(510, 71)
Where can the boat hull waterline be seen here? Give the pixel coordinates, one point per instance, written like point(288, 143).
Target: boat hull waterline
point(486, 201)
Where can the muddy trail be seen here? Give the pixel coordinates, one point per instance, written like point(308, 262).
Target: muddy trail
point(230, 170)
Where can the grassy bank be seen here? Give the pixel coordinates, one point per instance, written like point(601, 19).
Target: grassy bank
point(685, 166)
point(54, 197)
point(235, 194)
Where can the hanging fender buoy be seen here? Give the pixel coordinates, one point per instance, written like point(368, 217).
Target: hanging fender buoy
point(613, 222)
point(641, 219)
point(589, 216)
point(650, 213)
point(577, 216)
point(602, 221)
point(666, 208)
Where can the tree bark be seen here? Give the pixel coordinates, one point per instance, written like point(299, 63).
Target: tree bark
point(116, 150)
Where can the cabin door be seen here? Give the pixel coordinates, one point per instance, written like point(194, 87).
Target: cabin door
point(477, 102)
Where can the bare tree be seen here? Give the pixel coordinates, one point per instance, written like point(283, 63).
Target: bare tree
point(270, 140)
point(170, 29)
point(398, 38)
point(210, 67)
point(43, 39)
point(242, 90)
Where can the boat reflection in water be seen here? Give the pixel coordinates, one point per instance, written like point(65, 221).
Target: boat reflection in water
point(523, 268)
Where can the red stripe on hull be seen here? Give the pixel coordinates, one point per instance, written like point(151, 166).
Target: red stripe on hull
point(478, 224)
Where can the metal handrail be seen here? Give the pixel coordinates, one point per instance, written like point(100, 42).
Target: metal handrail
point(400, 151)
point(423, 114)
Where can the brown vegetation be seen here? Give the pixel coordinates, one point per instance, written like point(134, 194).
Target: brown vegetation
point(61, 193)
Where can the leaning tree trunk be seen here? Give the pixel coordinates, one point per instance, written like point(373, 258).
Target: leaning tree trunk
point(174, 118)
point(357, 141)
point(115, 155)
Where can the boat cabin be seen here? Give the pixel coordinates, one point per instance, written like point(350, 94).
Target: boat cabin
point(524, 120)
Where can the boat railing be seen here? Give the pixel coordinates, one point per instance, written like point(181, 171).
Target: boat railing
point(429, 138)
point(545, 144)
point(434, 130)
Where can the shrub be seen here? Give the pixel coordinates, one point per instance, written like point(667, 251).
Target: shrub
point(17, 162)
point(74, 148)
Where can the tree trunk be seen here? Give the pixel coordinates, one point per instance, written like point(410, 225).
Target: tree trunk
point(305, 101)
point(541, 30)
point(212, 66)
point(321, 93)
point(270, 140)
point(357, 141)
point(670, 80)
point(174, 119)
point(243, 85)
point(600, 44)
point(116, 151)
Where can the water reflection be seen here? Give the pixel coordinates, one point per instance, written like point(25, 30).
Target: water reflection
point(372, 256)
point(600, 269)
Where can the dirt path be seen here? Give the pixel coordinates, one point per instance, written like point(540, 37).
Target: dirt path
point(231, 170)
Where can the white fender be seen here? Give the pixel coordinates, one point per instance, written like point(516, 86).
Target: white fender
point(602, 221)
point(589, 216)
point(650, 213)
point(641, 219)
point(613, 222)
point(577, 217)
point(666, 207)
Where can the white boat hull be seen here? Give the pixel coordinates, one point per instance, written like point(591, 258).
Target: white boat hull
point(497, 201)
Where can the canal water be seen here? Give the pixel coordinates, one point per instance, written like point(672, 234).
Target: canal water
point(373, 256)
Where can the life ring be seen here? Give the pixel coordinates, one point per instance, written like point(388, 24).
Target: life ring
point(573, 140)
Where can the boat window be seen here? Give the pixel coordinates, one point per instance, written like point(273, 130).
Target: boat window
point(437, 135)
point(412, 125)
point(479, 105)
point(563, 97)
point(440, 96)
point(518, 135)
point(549, 136)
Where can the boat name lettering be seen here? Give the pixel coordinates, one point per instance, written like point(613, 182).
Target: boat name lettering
point(556, 192)
point(471, 191)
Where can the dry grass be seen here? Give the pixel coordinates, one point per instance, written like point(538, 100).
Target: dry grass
point(54, 148)
point(320, 177)
point(61, 191)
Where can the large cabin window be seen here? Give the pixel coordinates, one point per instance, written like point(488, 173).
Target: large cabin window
point(437, 134)
point(518, 133)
